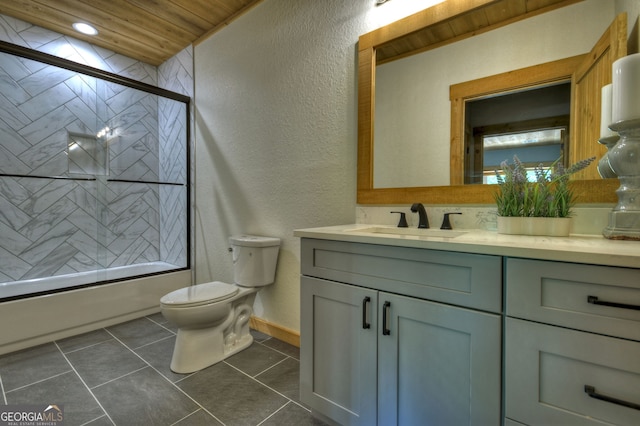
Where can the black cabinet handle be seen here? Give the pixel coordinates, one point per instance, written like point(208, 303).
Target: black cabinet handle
point(591, 391)
point(385, 318)
point(594, 300)
point(365, 302)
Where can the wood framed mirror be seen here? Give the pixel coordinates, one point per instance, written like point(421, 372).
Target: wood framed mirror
point(452, 21)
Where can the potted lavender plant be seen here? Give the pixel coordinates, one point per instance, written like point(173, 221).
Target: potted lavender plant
point(523, 203)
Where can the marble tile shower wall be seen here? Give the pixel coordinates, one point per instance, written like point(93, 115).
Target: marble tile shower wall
point(52, 227)
point(176, 74)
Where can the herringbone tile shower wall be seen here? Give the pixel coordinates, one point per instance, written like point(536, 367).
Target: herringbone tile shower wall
point(49, 119)
point(176, 74)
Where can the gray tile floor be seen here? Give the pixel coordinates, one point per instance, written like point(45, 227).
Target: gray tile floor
point(120, 376)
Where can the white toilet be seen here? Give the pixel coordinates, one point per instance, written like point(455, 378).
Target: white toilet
point(213, 318)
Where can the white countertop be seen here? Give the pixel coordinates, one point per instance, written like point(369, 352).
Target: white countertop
point(590, 249)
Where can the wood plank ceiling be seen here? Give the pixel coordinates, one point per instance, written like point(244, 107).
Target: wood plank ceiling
point(151, 31)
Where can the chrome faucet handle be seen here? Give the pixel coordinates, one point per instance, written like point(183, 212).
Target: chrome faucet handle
point(402, 223)
point(446, 224)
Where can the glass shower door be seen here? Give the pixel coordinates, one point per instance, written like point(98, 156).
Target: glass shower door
point(93, 179)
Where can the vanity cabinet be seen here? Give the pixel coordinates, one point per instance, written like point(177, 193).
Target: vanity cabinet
point(338, 355)
point(400, 336)
point(572, 353)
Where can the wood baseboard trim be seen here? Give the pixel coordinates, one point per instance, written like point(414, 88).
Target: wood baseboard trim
point(274, 330)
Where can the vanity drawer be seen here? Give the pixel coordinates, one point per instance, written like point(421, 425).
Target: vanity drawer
point(469, 280)
point(548, 367)
point(560, 293)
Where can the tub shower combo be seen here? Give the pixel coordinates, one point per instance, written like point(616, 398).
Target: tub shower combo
point(94, 176)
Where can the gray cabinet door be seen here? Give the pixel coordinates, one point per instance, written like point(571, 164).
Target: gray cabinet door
point(338, 350)
point(437, 364)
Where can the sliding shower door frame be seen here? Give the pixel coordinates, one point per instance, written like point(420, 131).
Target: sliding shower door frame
point(52, 60)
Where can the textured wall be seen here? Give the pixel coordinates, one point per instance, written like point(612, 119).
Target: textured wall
point(276, 135)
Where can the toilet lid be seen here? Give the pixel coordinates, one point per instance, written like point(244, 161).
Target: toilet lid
point(200, 294)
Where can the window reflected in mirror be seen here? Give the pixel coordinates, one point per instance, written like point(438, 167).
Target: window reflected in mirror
point(532, 124)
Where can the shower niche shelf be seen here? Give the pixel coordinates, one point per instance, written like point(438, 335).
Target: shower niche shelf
point(87, 155)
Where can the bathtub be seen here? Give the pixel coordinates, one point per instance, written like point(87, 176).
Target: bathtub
point(57, 282)
point(46, 317)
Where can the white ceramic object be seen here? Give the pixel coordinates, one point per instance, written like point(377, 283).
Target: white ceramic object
point(510, 225)
point(542, 226)
point(624, 159)
point(213, 318)
point(605, 112)
point(626, 89)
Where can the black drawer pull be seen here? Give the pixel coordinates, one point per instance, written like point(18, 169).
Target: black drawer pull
point(385, 318)
point(365, 302)
point(591, 391)
point(595, 301)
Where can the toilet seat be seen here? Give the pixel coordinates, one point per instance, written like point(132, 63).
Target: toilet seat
point(200, 294)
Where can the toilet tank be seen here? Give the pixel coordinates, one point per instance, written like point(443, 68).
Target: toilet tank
point(254, 259)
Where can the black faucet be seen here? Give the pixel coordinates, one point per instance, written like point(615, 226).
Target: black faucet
point(423, 221)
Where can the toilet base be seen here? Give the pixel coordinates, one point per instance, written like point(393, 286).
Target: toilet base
point(197, 349)
point(200, 348)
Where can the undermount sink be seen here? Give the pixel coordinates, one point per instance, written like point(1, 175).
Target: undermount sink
point(416, 232)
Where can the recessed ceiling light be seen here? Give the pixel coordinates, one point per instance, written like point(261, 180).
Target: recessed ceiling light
point(83, 28)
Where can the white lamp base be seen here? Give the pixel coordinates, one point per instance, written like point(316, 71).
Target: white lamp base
point(604, 168)
point(623, 226)
point(624, 158)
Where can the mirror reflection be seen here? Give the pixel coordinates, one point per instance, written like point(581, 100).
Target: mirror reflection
point(412, 130)
point(532, 124)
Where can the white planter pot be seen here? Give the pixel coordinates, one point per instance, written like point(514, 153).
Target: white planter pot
point(510, 225)
point(549, 226)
